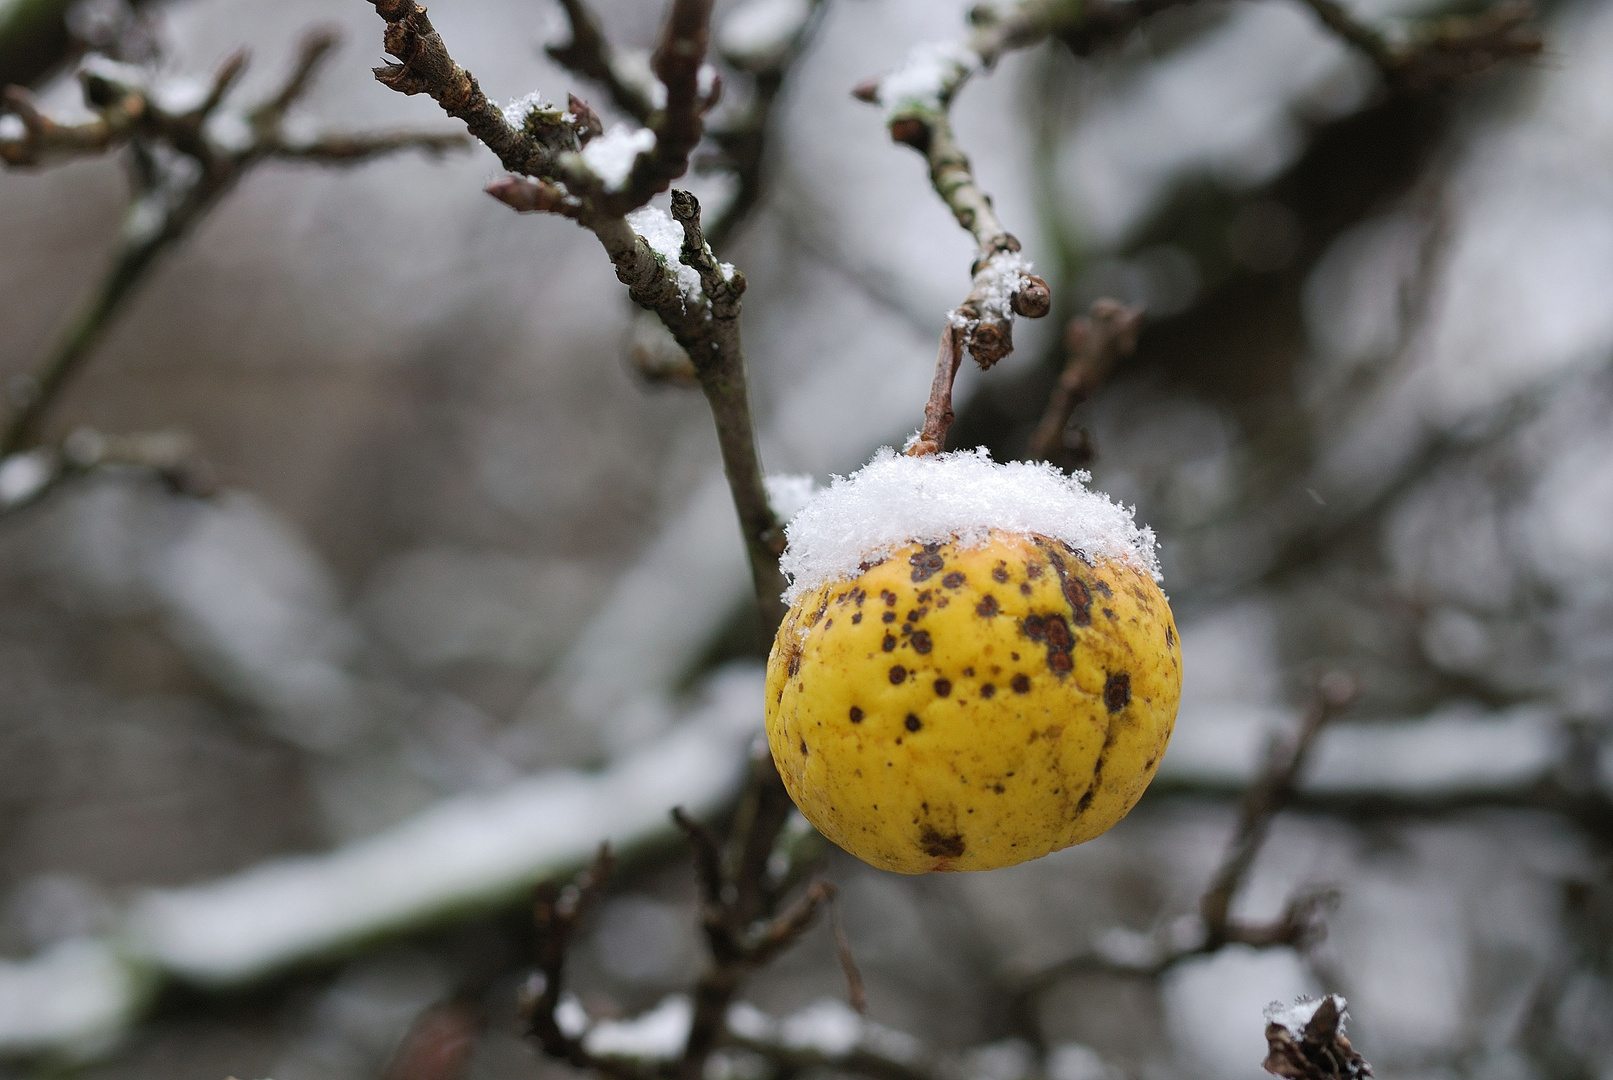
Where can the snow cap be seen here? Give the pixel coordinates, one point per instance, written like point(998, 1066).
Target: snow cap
point(896, 500)
point(1296, 1017)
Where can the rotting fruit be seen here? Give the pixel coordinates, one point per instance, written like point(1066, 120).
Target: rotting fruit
point(971, 706)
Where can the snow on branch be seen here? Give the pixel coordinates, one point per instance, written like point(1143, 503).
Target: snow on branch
point(1306, 1041)
point(918, 96)
point(698, 303)
point(28, 476)
point(464, 854)
point(918, 99)
point(188, 148)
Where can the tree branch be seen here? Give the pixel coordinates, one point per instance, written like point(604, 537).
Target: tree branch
point(28, 477)
point(918, 101)
point(1094, 345)
point(680, 123)
point(557, 913)
point(1150, 956)
point(705, 322)
point(170, 198)
point(424, 67)
point(1443, 52)
point(589, 54)
point(1316, 1050)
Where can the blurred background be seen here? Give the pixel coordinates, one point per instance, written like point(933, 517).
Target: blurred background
point(468, 570)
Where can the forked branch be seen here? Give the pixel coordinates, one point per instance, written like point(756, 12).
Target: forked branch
point(187, 155)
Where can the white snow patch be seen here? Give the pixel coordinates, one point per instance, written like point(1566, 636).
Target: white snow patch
point(22, 476)
point(665, 238)
point(996, 284)
point(1294, 1017)
point(788, 494)
point(612, 154)
point(146, 217)
point(229, 131)
point(659, 1033)
point(180, 95)
point(461, 853)
point(759, 33)
point(928, 71)
point(76, 997)
point(516, 111)
point(571, 1017)
point(828, 1026)
point(749, 1022)
point(633, 67)
point(897, 500)
point(116, 71)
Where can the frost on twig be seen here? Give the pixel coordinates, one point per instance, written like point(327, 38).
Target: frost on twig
point(28, 476)
point(188, 147)
point(667, 266)
point(917, 99)
point(760, 39)
point(1306, 1041)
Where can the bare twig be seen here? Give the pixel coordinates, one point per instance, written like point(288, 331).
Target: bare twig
point(680, 123)
point(1298, 926)
point(704, 322)
point(338, 148)
point(28, 477)
point(719, 360)
point(1285, 759)
point(557, 914)
point(1443, 52)
point(439, 1043)
point(735, 954)
point(1094, 344)
point(918, 101)
point(590, 54)
point(918, 114)
point(737, 915)
point(187, 157)
point(856, 989)
point(739, 898)
point(938, 414)
point(424, 67)
point(740, 137)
